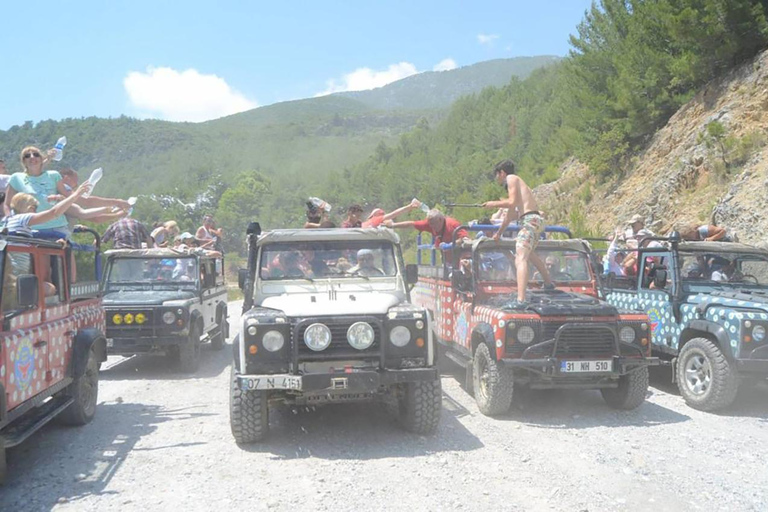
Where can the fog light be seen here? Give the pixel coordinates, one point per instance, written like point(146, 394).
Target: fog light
point(128, 318)
point(117, 319)
point(252, 349)
point(141, 318)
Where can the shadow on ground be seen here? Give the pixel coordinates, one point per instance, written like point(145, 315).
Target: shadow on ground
point(65, 464)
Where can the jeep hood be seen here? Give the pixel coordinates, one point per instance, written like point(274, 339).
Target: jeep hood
point(748, 299)
point(323, 304)
point(558, 303)
point(145, 297)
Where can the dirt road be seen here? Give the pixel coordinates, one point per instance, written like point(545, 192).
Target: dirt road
point(161, 441)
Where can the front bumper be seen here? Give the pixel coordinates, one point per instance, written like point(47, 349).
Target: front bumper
point(356, 381)
point(552, 366)
point(143, 344)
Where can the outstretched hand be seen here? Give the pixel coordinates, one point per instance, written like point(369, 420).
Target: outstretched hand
point(82, 189)
point(492, 204)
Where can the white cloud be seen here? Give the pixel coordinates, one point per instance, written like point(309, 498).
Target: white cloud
point(487, 39)
point(445, 65)
point(363, 79)
point(183, 95)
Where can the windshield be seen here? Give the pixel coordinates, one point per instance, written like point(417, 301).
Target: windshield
point(340, 258)
point(724, 268)
point(152, 270)
point(564, 266)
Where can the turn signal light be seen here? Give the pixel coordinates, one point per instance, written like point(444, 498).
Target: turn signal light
point(141, 318)
point(117, 319)
point(419, 342)
point(644, 342)
point(747, 339)
point(253, 349)
point(128, 318)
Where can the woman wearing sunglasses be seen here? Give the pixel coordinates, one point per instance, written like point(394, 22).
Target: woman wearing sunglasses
point(38, 183)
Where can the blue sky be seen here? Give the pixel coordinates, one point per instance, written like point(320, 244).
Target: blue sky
point(198, 60)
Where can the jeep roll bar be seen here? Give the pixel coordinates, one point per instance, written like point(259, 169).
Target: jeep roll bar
point(445, 246)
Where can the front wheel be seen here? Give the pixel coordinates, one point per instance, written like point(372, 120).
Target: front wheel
point(705, 377)
point(218, 339)
point(493, 384)
point(631, 391)
point(420, 405)
point(85, 391)
point(189, 353)
point(248, 413)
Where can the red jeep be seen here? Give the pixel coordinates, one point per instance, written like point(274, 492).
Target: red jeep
point(564, 338)
point(52, 338)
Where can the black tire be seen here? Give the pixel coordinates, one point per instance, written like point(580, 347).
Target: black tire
point(189, 352)
point(631, 391)
point(85, 391)
point(705, 378)
point(3, 464)
point(420, 406)
point(218, 339)
point(493, 384)
point(248, 413)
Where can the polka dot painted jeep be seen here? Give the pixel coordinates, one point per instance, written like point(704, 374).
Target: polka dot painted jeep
point(564, 338)
point(707, 303)
point(52, 339)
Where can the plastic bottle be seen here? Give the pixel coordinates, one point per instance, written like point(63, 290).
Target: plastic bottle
point(59, 149)
point(93, 180)
point(320, 204)
point(423, 206)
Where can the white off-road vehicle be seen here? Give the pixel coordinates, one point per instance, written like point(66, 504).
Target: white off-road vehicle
point(327, 318)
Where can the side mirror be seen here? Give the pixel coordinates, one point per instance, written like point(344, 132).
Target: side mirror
point(27, 291)
point(242, 275)
point(254, 228)
point(411, 273)
point(660, 278)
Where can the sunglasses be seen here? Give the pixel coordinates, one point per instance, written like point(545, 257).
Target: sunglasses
point(31, 154)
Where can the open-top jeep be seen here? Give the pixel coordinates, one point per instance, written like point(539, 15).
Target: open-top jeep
point(707, 303)
point(165, 301)
point(327, 319)
point(564, 338)
point(52, 338)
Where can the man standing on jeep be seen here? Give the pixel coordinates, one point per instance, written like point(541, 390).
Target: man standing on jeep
point(522, 206)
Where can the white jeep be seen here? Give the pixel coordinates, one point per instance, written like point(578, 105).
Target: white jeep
point(327, 318)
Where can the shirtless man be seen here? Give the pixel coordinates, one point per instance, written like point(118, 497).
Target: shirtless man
point(522, 206)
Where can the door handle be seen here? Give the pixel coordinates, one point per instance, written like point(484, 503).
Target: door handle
point(40, 344)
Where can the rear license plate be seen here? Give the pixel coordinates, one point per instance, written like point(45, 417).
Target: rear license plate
point(586, 366)
point(271, 382)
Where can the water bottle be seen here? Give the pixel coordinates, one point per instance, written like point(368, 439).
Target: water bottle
point(93, 180)
point(320, 204)
point(59, 149)
point(423, 206)
point(132, 201)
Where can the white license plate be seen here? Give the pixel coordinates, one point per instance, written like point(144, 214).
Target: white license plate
point(586, 366)
point(110, 343)
point(271, 382)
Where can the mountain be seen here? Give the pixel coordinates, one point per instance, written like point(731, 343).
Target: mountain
point(438, 89)
point(300, 140)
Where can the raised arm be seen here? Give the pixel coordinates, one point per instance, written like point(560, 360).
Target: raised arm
point(400, 225)
point(98, 202)
point(59, 208)
point(395, 213)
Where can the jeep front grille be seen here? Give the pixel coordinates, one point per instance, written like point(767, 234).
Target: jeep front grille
point(339, 349)
point(585, 340)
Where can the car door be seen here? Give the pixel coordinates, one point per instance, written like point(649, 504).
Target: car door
point(58, 324)
point(209, 295)
point(24, 354)
point(657, 301)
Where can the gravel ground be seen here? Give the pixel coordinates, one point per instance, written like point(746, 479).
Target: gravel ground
point(161, 441)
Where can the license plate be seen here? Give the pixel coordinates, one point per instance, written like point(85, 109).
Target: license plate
point(586, 366)
point(110, 343)
point(271, 382)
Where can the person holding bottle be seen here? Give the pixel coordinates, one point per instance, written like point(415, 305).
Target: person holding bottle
point(378, 216)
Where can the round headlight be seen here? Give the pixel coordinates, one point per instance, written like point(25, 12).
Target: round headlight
point(626, 334)
point(317, 337)
point(525, 334)
point(400, 336)
point(273, 341)
point(360, 335)
point(128, 318)
point(169, 317)
point(117, 319)
point(141, 318)
point(758, 333)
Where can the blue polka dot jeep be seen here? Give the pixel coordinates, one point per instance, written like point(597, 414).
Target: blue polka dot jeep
point(52, 338)
point(564, 338)
point(707, 303)
point(326, 319)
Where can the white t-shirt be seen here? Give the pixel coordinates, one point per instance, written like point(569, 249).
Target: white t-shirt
point(4, 180)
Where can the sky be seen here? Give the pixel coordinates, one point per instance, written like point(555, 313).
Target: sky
point(199, 60)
